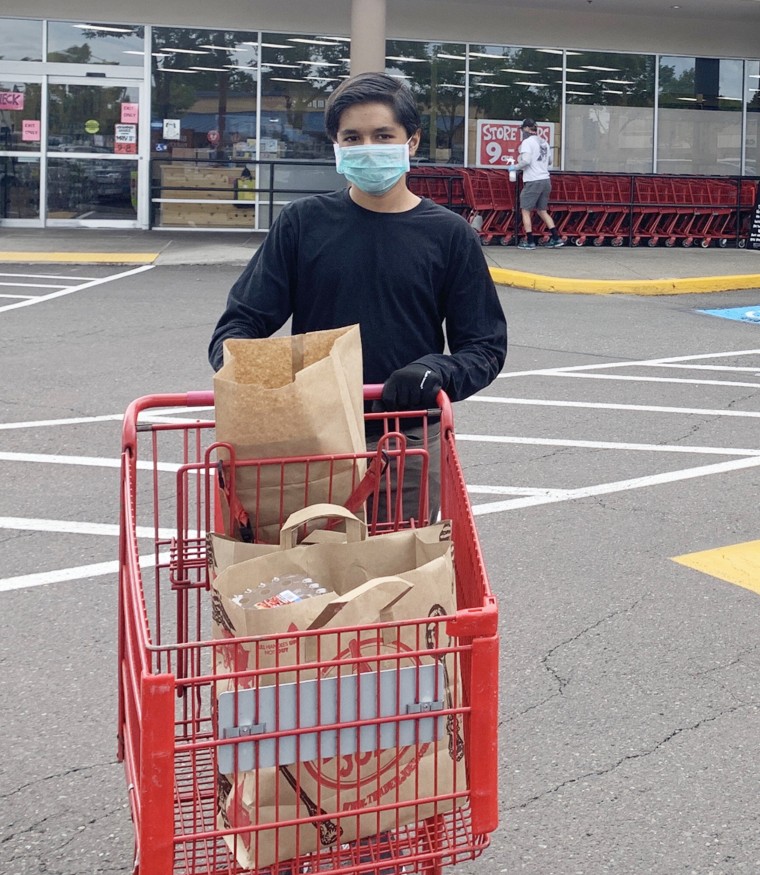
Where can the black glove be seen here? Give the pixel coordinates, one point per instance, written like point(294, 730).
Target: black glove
point(414, 387)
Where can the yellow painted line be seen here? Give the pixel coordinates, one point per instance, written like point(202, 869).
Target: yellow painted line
point(681, 286)
point(738, 563)
point(79, 257)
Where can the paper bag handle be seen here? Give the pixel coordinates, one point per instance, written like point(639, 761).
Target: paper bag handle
point(351, 609)
point(356, 530)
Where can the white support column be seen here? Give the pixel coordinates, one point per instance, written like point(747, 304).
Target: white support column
point(367, 36)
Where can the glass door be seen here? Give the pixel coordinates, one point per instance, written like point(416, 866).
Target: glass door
point(93, 152)
point(20, 126)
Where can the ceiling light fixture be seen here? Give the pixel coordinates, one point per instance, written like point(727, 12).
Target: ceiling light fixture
point(312, 42)
point(99, 27)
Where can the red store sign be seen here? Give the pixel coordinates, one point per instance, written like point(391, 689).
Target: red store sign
point(498, 142)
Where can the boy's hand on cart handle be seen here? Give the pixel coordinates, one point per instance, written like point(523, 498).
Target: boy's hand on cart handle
point(414, 387)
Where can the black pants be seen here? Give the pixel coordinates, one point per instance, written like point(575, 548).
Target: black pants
point(412, 478)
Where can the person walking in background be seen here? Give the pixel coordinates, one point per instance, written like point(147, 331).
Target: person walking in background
point(535, 159)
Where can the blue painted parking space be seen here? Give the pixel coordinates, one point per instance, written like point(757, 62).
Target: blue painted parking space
point(740, 314)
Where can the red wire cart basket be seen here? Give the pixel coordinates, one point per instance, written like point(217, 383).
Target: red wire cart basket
point(177, 750)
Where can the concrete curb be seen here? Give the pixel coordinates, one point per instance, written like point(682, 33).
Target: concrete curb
point(680, 286)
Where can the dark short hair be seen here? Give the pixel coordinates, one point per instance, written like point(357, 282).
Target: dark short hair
point(372, 88)
point(529, 124)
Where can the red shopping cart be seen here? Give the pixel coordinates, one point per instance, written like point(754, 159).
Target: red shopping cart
point(170, 737)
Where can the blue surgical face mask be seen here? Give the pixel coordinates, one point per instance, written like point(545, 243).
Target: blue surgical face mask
point(375, 168)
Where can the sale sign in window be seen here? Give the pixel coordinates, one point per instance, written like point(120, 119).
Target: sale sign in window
point(11, 100)
point(498, 142)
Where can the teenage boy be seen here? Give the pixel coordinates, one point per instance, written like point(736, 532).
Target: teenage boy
point(535, 159)
point(378, 255)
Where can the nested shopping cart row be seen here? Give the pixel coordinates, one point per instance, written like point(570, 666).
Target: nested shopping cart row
point(599, 209)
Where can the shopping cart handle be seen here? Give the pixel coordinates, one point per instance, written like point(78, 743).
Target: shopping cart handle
point(200, 399)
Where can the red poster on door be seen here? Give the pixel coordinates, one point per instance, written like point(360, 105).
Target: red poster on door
point(130, 113)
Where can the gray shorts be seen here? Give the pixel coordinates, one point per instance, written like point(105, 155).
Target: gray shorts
point(535, 194)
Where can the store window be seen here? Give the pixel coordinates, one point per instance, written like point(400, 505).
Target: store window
point(20, 40)
point(508, 84)
point(20, 116)
point(700, 116)
point(204, 93)
point(752, 138)
point(436, 73)
point(203, 125)
point(90, 43)
point(609, 112)
point(298, 74)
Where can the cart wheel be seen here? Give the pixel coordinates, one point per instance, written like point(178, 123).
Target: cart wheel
point(580, 241)
point(617, 241)
point(505, 241)
point(598, 241)
point(705, 244)
point(723, 242)
point(485, 241)
point(670, 242)
point(742, 244)
point(653, 241)
point(687, 241)
point(635, 241)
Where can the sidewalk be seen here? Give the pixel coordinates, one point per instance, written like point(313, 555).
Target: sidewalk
point(572, 269)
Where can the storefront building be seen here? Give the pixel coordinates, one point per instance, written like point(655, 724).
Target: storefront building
point(170, 125)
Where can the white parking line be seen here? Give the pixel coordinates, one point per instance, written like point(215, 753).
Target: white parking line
point(520, 497)
point(637, 379)
point(636, 363)
point(618, 486)
point(86, 461)
point(70, 290)
point(606, 445)
point(75, 527)
point(81, 572)
point(33, 285)
point(588, 405)
point(16, 297)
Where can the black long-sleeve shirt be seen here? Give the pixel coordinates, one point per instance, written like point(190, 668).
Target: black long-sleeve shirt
point(328, 263)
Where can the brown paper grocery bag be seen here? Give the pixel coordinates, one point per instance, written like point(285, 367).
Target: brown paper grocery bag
point(388, 579)
point(291, 396)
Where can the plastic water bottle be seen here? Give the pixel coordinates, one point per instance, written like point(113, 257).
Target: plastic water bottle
point(280, 590)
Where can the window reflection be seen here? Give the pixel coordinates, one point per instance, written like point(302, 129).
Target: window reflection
point(21, 40)
point(206, 81)
point(92, 43)
point(83, 118)
point(92, 189)
point(510, 84)
point(19, 187)
point(436, 74)
point(752, 140)
point(699, 120)
point(609, 117)
point(298, 74)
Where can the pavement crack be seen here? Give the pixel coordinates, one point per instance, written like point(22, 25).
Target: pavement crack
point(72, 771)
point(562, 682)
point(600, 773)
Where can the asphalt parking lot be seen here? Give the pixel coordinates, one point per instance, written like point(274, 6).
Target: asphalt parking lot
point(614, 471)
